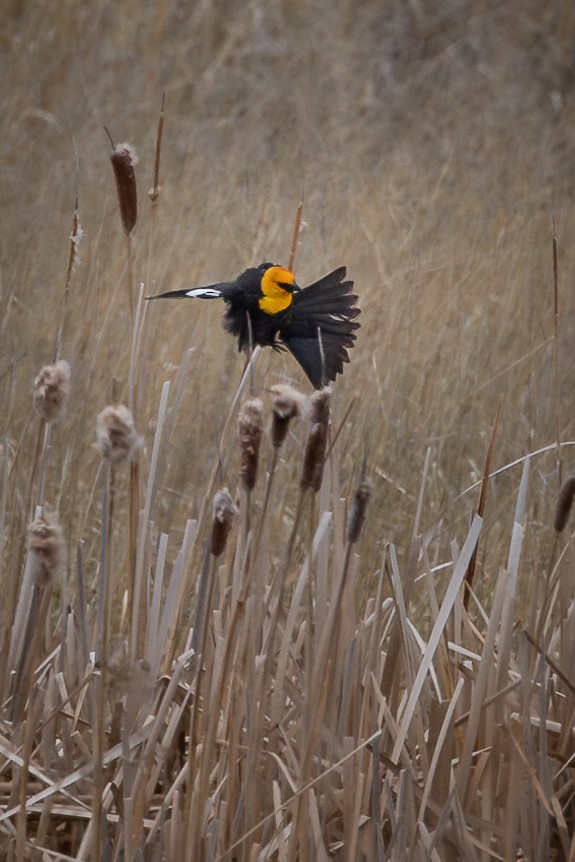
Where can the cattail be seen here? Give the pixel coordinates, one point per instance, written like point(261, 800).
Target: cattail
point(224, 512)
point(123, 160)
point(117, 438)
point(47, 550)
point(250, 425)
point(287, 403)
point(357, 514)
point(564, 503)
point(316, 444)
point(51, 388)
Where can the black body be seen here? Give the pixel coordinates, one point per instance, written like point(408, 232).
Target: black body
point(317, 327)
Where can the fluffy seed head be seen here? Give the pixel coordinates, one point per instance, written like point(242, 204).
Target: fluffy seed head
point(51, 388)
point(224, 513)
point(564, 503)
point(123, 160)
point(116, 436)
point(357, 514)
point(47, 550)
point(287, 403)
point(250, 425)
point(312, 471)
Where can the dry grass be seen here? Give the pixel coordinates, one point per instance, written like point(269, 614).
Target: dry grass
point(294, 669)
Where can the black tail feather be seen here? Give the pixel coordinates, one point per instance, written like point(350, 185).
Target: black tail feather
point(321, 327)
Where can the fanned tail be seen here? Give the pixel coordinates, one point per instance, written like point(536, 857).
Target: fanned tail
point(320, 327)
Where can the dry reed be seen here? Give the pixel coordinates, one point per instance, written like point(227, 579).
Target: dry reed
point(317, 686)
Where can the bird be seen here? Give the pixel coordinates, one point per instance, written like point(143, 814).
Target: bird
point(266, 306)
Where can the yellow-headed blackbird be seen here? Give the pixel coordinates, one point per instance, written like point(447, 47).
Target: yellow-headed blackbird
point(266, 306)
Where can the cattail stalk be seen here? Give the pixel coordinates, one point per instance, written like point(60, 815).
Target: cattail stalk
point(358, 508)
point(51, 390)
point(314, 456)
point(224, 512)
point(50, 395)
point(287, 403)
point(124, 160)
point(117, 441)
point(250, 426)
point(116, 437)
point(47, 559)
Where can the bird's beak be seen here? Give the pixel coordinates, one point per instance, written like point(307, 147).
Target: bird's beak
point(290, 287)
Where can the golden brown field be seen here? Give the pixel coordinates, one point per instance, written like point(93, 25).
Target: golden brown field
point(306, 687)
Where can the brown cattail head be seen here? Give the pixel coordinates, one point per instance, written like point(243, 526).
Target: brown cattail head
point(564, 503)
point(250, 425)
point(357, 514)
point(287, 403)
point(51, 388)
point(47, 550)
point(316, 444)
point(123, 160)
point(116, 436)
point(224, 513)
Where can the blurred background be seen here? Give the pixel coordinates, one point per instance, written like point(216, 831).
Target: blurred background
point(433, 145)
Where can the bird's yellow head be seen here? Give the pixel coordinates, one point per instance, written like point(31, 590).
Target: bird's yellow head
point(278, 285)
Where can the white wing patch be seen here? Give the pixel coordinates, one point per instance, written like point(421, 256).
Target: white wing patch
point(203, 293)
